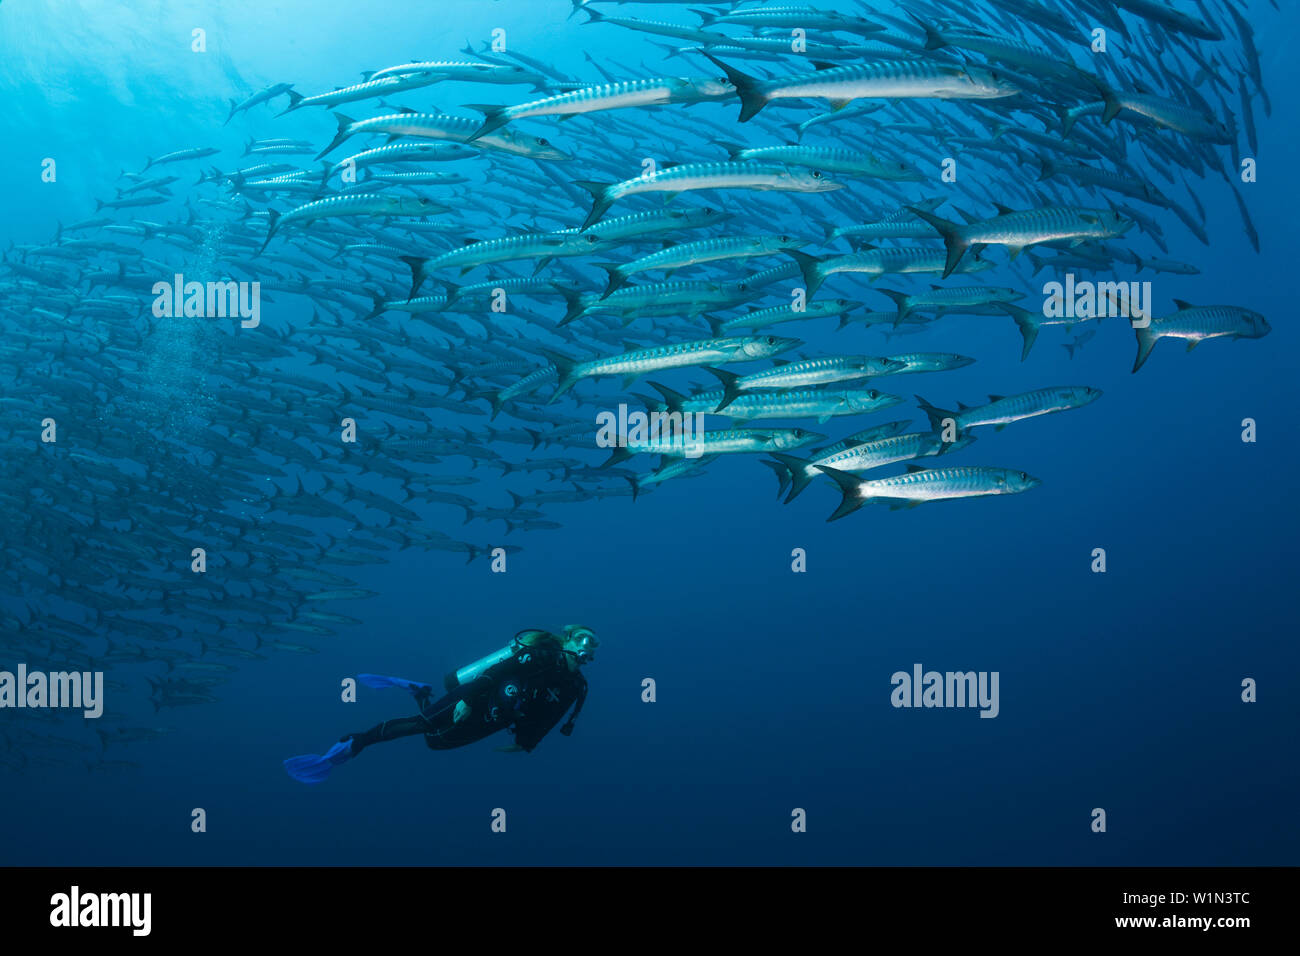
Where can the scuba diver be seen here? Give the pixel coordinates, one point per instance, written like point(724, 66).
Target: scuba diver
point(525, 688)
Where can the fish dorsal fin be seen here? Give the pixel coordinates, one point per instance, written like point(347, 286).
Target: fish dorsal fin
point(1003, 210)
point(913, 469)
point(824, 65)
point(777, 362)
point(996, 398)
point(1183, 304)
point(962, 406)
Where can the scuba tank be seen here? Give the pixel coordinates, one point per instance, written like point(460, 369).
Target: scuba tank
point(523, 639)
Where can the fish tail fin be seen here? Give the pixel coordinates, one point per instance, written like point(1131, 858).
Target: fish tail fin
point(295, 99)
point(493, 118)
point(900, 300)
point(672, 399)
point(417, 265)
point(617, 278)
point(1026, 321)
point(635, 482)
point(275, 222)
point(564, 367)
point(1112, 105)
point(954, 239)
point(616, 454)
point(730, 391)
point(233, 107)
point(1068, 119)
point(934, 40)
point(749, 88)
point(782, 476)
point(600, 200)
point(593, 15)
point(850, 488)
point(810, 268)
point(339, 135)
point(800, 476)
point(1146, 342)
point(99, 204)
point(934, 413)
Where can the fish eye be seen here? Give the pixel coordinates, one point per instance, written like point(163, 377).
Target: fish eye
point(771, 340)
point(816, 174)
point(543, 142)
point(783, 238)
point(724, 80)
point(873, 394)
point(1024, 475)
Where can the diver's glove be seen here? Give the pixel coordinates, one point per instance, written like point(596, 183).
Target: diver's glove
point(460, 713)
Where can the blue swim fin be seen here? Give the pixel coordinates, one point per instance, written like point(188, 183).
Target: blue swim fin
point(314, 768)
point(379, 681)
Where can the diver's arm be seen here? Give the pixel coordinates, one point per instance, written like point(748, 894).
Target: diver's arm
point(567, 729)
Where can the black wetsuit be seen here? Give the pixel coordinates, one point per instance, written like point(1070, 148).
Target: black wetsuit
point(527, 694)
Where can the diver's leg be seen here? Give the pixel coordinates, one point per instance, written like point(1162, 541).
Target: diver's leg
point(433, 716)
point(388, 730)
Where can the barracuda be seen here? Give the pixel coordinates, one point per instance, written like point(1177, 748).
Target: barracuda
point(543, 246)
point(760, 318)
point(1195, 324)
point(467, 71)
point(662, 298)
point(731, 441)
point(809, 372)
point(1002, 410)
point(798, 473)
point(363, 91)
point(454, 129)
point(366, 204)
point(406, 152)
point(264, 95)
point(656, 222)
point(942, 299)
point(920, 485)
point(632, 365)
point(829, 159)
point(1017, 230)
point(693, 176)
point(821, 404)
point(608, 96)
point(890, 80)
point(701, 251)
point(878, 262)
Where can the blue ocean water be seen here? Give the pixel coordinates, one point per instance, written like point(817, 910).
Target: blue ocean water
point(1119, 690)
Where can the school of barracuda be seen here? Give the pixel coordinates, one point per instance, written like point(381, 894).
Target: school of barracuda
point(473, 361)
